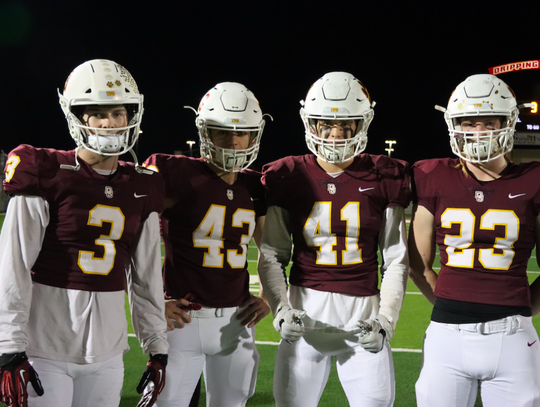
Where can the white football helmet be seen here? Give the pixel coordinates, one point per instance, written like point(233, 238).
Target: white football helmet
point(337, 96)
point(229, 106)
point(104, 83)
point(481, 95)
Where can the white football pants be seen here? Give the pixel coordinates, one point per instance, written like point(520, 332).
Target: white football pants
point(217, 343)
point(78, 385)
point(302, 368)
point(502, 357)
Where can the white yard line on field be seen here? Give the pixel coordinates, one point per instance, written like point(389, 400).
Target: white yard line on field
point(277, 343)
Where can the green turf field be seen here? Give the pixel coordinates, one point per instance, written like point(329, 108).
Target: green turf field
point(406, 344)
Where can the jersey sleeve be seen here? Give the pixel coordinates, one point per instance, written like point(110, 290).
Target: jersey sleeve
point(160, 163)
point(156, 185)
point(276, 178)
point(396, 176)
point(22, 171)
point(425, 192)
point(257, 192)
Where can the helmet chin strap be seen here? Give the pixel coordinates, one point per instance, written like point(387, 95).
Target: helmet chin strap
point(75, 167)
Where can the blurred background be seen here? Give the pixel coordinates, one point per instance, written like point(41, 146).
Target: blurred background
point(410, 56)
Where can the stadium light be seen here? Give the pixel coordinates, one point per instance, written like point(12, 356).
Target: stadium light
point(190, 142)
point(389, 149)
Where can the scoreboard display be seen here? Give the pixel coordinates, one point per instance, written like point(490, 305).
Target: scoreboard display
point(524, 79)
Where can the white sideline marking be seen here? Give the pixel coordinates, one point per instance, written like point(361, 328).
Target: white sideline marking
point(277, 343)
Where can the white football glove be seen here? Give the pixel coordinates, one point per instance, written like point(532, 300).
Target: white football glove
point(288, 322)
point(373, 332)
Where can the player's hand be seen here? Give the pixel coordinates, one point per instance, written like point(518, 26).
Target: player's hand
point(257, 309)
point(153, 380)
point(178, 310)
point(374, 332)
point(288, 322)
point(15, 373)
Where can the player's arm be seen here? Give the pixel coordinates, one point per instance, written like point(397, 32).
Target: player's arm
point(256, 307)
point(145, 289)
point(535, 286)
point(21, 239)
point(274, 256)
point(422, 251)
point(394, 269)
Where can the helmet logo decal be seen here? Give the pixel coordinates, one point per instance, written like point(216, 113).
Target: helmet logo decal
point(479, 196)
point(67, 80)
point(110, 84)
point(124, 73)
point(230, 194)
point(109, 192)
point(364, 90)
point(331, 188)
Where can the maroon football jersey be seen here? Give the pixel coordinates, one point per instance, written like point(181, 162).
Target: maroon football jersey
point(485, 233)
point(94, 219)
point(335, 222)
point(207, 231)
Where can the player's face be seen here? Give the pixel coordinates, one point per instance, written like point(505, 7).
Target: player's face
point(481, 123)
point(105, 117)
point(336, 129)
point(231, 139)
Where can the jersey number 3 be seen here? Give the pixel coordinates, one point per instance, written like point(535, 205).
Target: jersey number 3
point(88, 262)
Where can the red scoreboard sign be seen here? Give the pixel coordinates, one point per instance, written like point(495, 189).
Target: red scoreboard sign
point(515, 66)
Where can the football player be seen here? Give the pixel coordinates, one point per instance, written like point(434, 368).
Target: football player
point(215, 206)
point(82, 227)
point(482, 211)
point(333, 209)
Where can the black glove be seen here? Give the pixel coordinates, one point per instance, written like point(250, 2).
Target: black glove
point(154, 377)
point(15, 372)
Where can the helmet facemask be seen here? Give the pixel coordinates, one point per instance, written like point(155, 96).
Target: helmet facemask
point(481, 146)
point(109, 142)
point(228, 159)
point(337, 151)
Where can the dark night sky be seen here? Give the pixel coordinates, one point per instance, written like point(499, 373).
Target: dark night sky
point(410, 57)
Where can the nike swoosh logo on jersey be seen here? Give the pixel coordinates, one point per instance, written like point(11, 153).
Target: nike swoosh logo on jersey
point(365, 189)
point(138, 196)
point(530, 344)
point(514, 196)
